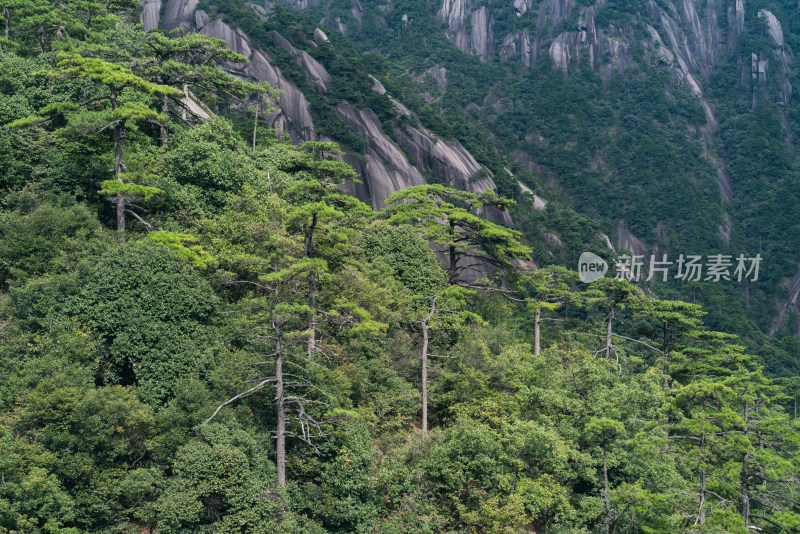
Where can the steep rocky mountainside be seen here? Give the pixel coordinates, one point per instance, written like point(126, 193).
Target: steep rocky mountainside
point(651, 126)
point(672, 121)
point(384, 168)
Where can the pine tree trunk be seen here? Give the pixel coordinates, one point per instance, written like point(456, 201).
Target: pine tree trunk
point(164, 133)
point(118, 171)
point(280, 431)
point(606, 500)
point(452, 250)
point(312, 315)
point(745, 479)
point(537, 322)
point(745, 490)
point(185, 101)
point(666, 355)
point(701, 513)
point(608, 332)
point(425, 367)
point(312, 291)
point(255, 128)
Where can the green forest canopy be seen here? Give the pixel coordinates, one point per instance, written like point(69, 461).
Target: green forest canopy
point(246, 358)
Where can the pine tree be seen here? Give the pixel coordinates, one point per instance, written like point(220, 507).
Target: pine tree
point(447, 311)
point(762, 463)
point(49, 22)
point(613, 294)
point(701, 424)
point(450, 218)
point(605, 432)
point(123, 99)
point(677, 320)
point(325, 217)
point(259, 254)
point(186, 62)
point(553, 287)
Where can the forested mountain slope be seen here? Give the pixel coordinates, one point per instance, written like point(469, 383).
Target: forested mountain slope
point(672, 123)
point(669, 126)
point(383, 166)
point(201, 331)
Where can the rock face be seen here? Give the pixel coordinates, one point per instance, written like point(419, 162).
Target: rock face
point(302, 4)
point(315, 72)
point(319, 36)
point(790, 304)
point(775, 30)
point(482, 35)
point(453, 13)
point(627, 241)
point(454, 165)
point(384, 167)
point(237, 40)
point(151, 12)
point(293, 114)
point(679, 34)
point(686, 36)
point(479, 40)
point(783, 57)
point(179, 14)
point(521, 6)
point(387, 170)
point(200, 18)
point(377, 86)
point(439, 75)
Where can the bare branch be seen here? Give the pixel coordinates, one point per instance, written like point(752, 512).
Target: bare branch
point(150, 227)
point(239, 396)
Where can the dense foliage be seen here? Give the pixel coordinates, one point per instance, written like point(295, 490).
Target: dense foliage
point(257, 352)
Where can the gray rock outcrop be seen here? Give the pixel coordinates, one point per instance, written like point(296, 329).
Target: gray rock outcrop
point(293, 114)
point(319, 36)
point(792, 285)
point(453, 164)
point(521, 6)
point(482, 34)
point(151, 13)
point(783, 58)
point(200, 18)
point(627, 241)
point(386, 169)
point(313, 69)
point(479, 40)
point(179, 14)
point(302, 4)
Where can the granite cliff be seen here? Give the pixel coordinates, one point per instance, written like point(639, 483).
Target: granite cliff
point(384, 168)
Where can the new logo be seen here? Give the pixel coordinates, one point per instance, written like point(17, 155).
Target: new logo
point(591, 267)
